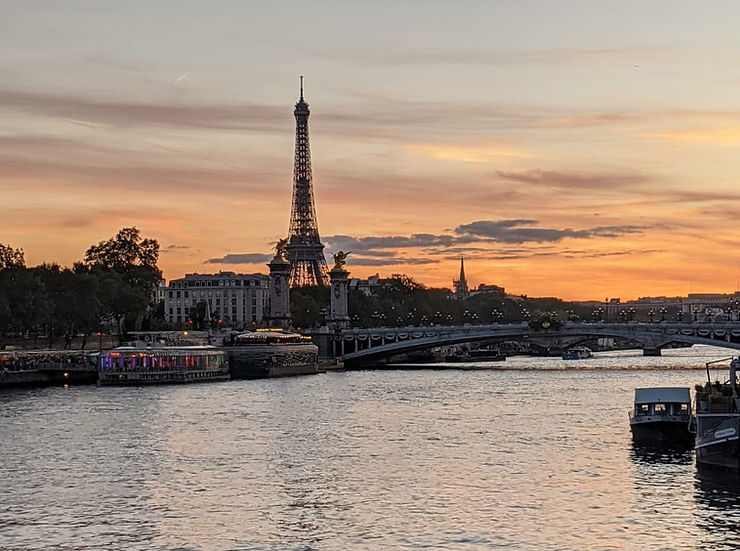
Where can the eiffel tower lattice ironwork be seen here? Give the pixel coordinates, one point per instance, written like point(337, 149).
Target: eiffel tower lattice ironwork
point(305, 251)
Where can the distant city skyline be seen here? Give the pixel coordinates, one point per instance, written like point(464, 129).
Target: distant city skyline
point(564, 149)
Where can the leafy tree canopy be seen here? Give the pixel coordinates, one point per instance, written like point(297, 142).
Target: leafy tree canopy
point(11, 258)
point(128, 254)
point(124, 250)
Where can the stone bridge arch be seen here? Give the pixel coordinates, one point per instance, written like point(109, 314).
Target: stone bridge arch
point(359, 346)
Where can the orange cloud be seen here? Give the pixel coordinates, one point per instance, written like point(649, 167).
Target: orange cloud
point(709, 137)
point(483, 152)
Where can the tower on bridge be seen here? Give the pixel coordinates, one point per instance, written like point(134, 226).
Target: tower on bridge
point(305, 252)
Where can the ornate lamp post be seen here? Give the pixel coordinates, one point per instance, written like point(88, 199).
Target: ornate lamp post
point(663, 310)
point(651, 315)
point(376, 317)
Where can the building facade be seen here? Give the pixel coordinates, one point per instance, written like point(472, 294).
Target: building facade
point(240, 301)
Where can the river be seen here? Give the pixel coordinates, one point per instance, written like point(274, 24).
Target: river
point(535, 454)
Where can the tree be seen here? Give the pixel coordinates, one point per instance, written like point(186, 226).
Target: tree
point(126, 266)
point(128, 254)
point(11, 258)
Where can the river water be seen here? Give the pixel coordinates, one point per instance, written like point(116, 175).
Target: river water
point(536, 455)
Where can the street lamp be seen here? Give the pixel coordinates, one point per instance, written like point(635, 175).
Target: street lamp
point(651, 315)
point(663, 310)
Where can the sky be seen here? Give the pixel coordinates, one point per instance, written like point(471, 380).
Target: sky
point(576, 149)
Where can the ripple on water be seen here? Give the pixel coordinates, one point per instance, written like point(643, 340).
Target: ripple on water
point(525, 459)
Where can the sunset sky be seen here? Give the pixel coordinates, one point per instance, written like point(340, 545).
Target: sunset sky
point(576, 149)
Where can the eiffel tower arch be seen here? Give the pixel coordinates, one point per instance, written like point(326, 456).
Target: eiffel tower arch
point(305, 252)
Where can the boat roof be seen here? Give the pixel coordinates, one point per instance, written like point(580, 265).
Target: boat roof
point(662, 394)
point(201, 350)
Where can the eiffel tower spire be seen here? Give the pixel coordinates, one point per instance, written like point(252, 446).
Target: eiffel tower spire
point(305, 250)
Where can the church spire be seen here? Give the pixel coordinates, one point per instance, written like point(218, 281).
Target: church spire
point(461, 284)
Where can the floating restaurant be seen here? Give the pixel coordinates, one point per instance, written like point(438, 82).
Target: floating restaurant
point(134, 365)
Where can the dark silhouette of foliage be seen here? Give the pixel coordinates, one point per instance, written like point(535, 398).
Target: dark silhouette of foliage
point(11, 258)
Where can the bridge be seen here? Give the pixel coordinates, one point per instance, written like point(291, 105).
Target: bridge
point(356, 346)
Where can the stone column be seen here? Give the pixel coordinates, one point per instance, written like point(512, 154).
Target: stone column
point(279, 293)
point(338, 317)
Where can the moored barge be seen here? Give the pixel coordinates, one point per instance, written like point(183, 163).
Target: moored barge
point(662, 417)
point(145, 365)
point(718, 420)
point(271, 353)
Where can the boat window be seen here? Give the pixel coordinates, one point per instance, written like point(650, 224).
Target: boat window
point(660, 408)
point(683, 408)
point(644, 409)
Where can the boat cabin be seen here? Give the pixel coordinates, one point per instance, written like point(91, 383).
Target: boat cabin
point(660, 402)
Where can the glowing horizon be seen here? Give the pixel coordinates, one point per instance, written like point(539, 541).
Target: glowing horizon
point(574, 154)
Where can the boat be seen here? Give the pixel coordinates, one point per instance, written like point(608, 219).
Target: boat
point(476, 355)
point(718, 419)
point(271, 353)
point(146, 364)
point(577, 353)
point(662, 417)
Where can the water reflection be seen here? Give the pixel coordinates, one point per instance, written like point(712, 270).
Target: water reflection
point(645, 454)
point(717, 495)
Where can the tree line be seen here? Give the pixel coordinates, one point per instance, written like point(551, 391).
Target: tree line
point(400, 300)
point(111, 289)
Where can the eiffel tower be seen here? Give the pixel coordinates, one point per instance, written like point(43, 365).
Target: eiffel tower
point(305, 251)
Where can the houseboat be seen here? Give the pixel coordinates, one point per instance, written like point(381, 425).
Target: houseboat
point(718, 419)
point(150, 364)
point(271, 353)
point(662, 417)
